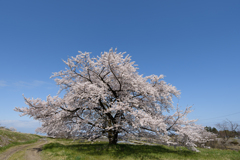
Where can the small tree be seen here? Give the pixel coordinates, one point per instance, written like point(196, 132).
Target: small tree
point(227, 129)
point(13, 129)
point(107, 96)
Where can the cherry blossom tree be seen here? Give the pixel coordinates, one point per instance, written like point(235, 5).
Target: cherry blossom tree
point(107, 96)
point(13, 129)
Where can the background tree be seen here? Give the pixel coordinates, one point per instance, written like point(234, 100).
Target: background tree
point(227, 130)
point(211, 129)
point(13, 129)
point(107, 96)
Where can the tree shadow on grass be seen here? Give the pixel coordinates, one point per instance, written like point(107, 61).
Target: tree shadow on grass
point(124, 151)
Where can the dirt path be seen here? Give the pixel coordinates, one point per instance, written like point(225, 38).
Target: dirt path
point(33, 152)
point(30, 151)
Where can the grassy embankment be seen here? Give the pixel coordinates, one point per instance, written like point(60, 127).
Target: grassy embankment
point(62, 149)
point(9, 138)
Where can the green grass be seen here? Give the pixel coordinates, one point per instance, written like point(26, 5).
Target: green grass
point(58, 150)
point(9, 139)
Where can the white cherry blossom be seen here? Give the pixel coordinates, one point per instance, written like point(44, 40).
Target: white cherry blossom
point(107, 96)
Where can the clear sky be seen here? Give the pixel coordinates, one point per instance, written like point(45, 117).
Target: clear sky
point(195, 44)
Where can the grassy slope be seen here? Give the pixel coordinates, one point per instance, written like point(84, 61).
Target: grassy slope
point(68, 150)
point(9, 138)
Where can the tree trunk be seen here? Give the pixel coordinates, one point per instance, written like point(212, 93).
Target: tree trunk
point(113, 137)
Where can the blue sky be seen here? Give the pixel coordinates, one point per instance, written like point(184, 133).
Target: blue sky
point(195, 44)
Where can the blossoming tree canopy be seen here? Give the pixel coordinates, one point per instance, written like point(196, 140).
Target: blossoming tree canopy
point(107, 96)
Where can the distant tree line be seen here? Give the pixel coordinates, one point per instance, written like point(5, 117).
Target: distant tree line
point(211, 129)
point(223, 133)
point(226, 130)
